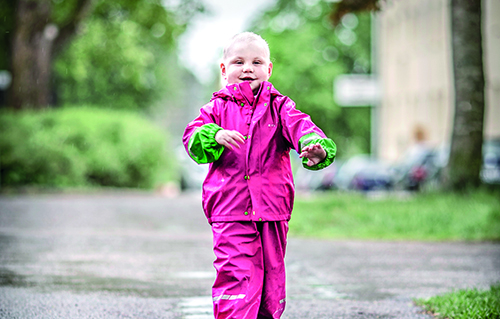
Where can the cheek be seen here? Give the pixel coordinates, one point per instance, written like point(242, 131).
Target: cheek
point(233, 72)
point(266, 71)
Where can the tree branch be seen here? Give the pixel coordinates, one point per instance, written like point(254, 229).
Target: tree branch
point(353, 6)
point(68, 31)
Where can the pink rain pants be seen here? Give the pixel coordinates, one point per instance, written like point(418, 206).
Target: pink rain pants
point(250, 266)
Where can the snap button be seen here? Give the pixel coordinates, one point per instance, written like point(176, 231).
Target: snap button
point(265, 104)
point(260, 219)
point(235, 88)
point(254, 212)
point(242, 104)
point(267, 88)
point(246, 213)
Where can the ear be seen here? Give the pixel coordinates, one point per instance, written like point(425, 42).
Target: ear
point(223, 70)
point(270, 69)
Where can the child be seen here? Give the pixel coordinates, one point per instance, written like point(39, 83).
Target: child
point(246, 132)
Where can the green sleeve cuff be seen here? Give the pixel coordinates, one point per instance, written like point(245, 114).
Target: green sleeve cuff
point(202, 145)
point(327, 144)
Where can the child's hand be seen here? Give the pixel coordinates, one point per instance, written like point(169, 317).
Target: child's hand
point(229, 138)
point(314, 153)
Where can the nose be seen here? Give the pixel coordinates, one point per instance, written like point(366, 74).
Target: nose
point(247, 67)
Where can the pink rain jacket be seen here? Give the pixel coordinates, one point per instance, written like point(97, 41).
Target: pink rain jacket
point(253, 183)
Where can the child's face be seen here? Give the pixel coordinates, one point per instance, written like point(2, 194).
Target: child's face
point(247, 61)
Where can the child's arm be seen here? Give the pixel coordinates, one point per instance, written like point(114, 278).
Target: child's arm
point(315, 146)
point(315, 154)
point(199, 140)
point(302, 133)
point(205, 141)
point(199, 136)
point(228, 138)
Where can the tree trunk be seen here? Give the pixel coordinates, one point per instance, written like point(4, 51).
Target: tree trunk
point(31, 54)
point(467, 137)
point(35, 42)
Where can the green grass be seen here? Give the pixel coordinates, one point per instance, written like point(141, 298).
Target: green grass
point(473, 216)
point(465, 304)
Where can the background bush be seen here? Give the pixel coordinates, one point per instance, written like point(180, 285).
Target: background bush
point(82, 146)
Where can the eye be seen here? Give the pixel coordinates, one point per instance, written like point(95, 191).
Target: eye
point(257, 62)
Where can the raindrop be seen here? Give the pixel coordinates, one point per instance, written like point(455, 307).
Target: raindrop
point(285, 21)
point(350, 21)
point(330, 54)
point(308, 3)
point(158, 30)
point(277, 25)
point(314, 12)
point(347, 37)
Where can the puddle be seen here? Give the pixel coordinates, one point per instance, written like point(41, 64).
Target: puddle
point(316, 292)
point(196, 308)
point(327, 292)
point(195, 275)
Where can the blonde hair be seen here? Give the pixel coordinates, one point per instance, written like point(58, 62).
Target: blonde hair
point(246, 37)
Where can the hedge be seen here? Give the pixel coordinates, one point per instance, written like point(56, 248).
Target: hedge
point(81, 146)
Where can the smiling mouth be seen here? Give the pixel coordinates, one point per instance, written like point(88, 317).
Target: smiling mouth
point(247, 79)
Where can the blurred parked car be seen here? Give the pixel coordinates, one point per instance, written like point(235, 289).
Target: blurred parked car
point(323, 179)
point(364, 173)
point(422, 166)
point(490, 172)
point(419, 165)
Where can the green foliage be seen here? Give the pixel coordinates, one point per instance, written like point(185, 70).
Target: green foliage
point(81, 146)
point(122, 57)
point(438, 216)
point(125, 79)
point(308, 52)
point(465, 304)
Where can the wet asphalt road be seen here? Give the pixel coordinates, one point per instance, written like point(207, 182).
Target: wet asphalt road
point(135, 255)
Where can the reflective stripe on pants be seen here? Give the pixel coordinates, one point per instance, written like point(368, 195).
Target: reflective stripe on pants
point(250, 266)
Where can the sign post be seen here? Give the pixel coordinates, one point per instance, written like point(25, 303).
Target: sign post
point(355, 90)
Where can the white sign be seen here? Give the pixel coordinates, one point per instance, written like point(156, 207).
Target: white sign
point(356, 90)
